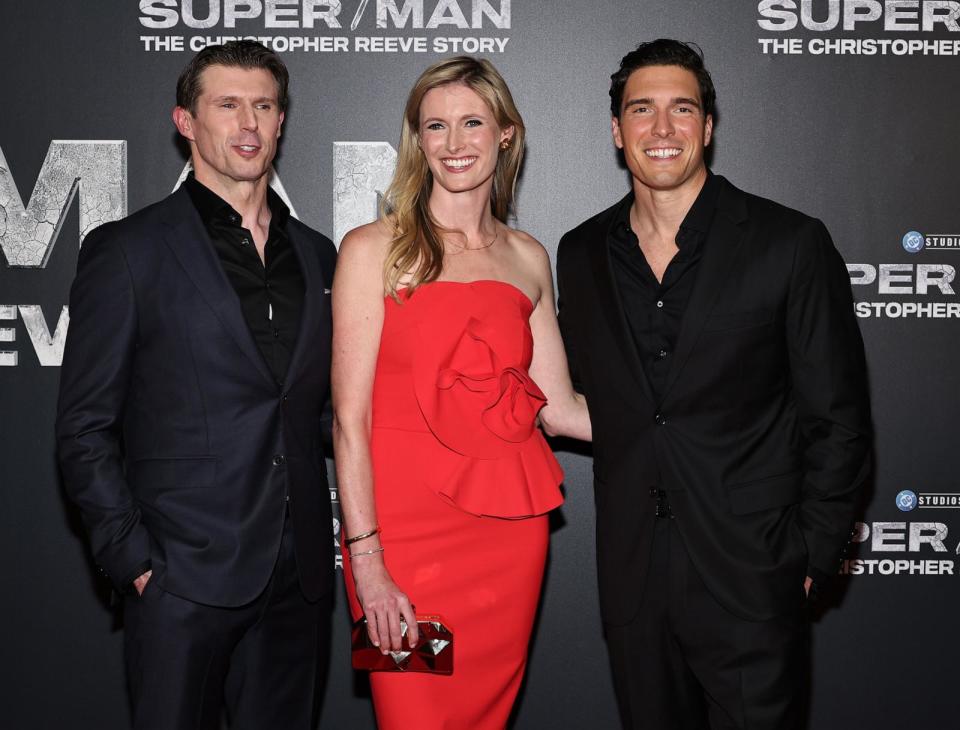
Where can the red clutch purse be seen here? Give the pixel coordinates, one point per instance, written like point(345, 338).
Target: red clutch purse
point(433, 652)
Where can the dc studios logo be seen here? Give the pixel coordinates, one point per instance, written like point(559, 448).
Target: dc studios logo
point(906, 500)
point(913, 242)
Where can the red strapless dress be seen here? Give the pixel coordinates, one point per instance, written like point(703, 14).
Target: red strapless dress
point(463, 482)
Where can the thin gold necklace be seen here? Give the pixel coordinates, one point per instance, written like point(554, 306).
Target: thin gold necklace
point(477, 248)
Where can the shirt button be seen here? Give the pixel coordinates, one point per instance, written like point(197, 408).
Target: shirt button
point(660, 304)
point(662, 354)
point(285, 397)
point(234, 218)
point(660, 419)
point(244, 241)
point(278, 460)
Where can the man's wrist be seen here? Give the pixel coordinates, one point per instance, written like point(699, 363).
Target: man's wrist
point(134, 575)
point(142, 581)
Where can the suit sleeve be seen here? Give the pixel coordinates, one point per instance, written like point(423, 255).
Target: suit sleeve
point(328, 261)
point(828, 373)
point(94, 379)
point(564, 314)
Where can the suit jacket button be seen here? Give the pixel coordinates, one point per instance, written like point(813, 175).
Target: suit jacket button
point(660, 419)
point(278, 460)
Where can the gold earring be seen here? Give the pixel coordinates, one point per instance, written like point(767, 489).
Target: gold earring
point(505, 144)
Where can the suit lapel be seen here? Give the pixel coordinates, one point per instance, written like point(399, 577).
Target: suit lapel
point(721, 248)
point(609, 298)
point(190, 243)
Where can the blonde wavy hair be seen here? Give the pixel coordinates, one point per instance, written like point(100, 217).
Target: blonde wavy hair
point(416, 249)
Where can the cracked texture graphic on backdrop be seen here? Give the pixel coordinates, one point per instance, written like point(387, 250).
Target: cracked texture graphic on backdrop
point(97, 168)
point(48, 347)
point(362, 172)
point(8, 358)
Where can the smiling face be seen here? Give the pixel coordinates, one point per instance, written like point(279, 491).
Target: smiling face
point(662, 129)
point(459, 137)
point(233, 134)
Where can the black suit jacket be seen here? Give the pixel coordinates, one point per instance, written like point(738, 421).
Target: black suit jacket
point(174, 440)
point(762, 435)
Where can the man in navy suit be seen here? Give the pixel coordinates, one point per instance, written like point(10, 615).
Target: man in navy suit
point(189, 423)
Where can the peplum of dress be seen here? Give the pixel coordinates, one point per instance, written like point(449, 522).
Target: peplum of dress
point(463, 480)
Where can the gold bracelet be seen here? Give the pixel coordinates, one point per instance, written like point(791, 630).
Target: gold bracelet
point(366, 552)
point(362, 536)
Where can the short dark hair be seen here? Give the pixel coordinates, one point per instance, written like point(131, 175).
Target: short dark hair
point(242, 54)
point(663, 52)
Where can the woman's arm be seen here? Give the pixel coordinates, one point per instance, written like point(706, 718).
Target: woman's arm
point(566, 411)
point(358, 306)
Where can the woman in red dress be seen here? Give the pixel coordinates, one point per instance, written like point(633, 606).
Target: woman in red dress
point(446, 349)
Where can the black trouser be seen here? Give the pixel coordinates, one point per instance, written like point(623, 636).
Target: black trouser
point(264, 662)
point(686, 663)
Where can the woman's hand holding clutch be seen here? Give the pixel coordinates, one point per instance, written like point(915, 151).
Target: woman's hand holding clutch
point(383, 604)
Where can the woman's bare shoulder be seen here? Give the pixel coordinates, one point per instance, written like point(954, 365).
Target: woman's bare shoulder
point(529, 251)
point(367, 241)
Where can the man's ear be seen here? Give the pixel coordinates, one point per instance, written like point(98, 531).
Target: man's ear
point(280, 125)
point(183, 121)
point(615, 130)
point(708, 130)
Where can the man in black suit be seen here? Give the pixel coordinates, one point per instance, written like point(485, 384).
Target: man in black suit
point(189, 427)
point(714, 337)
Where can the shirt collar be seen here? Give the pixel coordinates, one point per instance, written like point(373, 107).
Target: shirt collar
point(698, 218)
point(700, 215)
point(214, 209)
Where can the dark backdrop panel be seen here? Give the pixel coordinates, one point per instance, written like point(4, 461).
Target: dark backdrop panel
point(864, 141)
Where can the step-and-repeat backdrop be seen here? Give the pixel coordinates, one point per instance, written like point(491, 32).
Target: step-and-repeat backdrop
point(845, 109)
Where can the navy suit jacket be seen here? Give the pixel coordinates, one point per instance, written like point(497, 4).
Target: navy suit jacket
point(174, 439)
point(762, 434)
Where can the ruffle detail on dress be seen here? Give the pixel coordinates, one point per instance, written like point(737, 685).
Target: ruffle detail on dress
point(471, 383)
point(523, 484)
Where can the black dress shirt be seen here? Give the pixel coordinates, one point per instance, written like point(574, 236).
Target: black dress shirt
point(270, 291)
point(654, 309)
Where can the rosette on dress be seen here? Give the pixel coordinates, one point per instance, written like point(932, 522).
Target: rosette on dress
point(475, 395)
